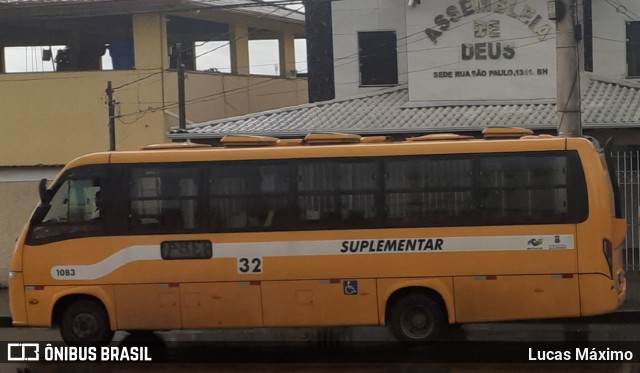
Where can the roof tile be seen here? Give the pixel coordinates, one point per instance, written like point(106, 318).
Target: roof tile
point(605, 104)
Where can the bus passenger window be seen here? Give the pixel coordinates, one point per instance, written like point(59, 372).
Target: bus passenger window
point(163, 199)
point(336, 194)
point(249, 196)
point(429, 191)
point(525, 189)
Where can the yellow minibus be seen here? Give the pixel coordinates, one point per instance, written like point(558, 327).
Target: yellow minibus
point(330, 230)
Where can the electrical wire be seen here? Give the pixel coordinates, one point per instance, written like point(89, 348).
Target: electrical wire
point(457, 25)
point(138, 80)
point(247, 88)
point(217, 36)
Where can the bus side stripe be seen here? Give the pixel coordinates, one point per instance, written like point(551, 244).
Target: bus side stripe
point(108, 265)
point(426, 246)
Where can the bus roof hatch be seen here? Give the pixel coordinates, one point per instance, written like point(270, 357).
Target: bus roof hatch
point(492, 133)
point(440, 137)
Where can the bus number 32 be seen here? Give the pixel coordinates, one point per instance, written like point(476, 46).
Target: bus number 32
point(250, 265)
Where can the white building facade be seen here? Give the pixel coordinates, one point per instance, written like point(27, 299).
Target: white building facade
point(457, 52)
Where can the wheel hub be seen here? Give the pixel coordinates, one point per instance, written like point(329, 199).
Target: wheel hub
point(84, 325)
point(416, 323)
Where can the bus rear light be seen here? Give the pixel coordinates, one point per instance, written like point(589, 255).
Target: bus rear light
point(607, 250)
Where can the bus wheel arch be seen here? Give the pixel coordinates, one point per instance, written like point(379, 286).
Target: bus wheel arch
point(416, 314)
point(82, 319)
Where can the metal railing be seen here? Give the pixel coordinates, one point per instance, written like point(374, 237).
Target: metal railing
point(627, 170)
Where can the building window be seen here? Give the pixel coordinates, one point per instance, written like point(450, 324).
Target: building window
point(587, 10)
point(78, 44)
point(378, 58)
point(633, 49)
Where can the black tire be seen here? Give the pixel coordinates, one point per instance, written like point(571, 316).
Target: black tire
point(85, 322)
point(417, 318)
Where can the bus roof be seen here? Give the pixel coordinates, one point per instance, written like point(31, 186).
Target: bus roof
point(333, 145)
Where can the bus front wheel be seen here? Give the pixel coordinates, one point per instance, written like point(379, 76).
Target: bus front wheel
point(417, 318)
point(85, 322)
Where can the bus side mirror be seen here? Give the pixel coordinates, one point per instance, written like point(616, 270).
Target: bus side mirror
point(45, 194)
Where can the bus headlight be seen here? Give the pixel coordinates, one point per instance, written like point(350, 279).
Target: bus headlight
point(12, 275)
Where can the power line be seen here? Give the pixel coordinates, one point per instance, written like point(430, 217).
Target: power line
point(458, 25)
point(201, 98)
point(223, 34)
point(247, 88)
point(237, 39)
point(289, 2)
point(622, 9)
point(335, 59)
point(455, 62)
point(420, 70)
point(138, 80)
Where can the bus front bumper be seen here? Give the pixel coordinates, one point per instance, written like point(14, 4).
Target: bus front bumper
point(17, 305)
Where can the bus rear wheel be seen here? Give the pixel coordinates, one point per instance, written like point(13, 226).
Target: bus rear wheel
point(417, 318)
point(85, 322)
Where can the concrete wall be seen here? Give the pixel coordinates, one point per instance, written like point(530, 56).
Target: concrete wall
point(215, 95)
point(18, 198)
point(50, 118)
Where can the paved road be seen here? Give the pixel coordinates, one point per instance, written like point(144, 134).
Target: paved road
point(360, 350)
point(355, 349)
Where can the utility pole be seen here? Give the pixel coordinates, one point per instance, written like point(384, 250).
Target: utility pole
point(565, 12)
point(112, 120)
point(182, 115)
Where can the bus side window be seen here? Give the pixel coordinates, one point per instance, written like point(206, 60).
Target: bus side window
point(249, 196)
point(429, 191)
point(525, 188)
point(340, 193)
point(163, 199)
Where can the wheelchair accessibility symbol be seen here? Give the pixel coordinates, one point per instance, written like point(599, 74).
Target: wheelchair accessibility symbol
point(350, 287)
